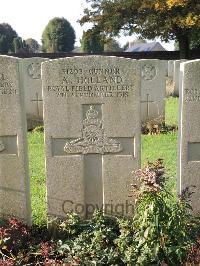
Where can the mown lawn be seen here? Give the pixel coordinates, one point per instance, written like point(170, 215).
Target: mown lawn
point(153, 147)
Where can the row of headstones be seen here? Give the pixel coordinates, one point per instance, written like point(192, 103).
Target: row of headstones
point(156, 75)
point(174, 79)
point(92, 134)
point(153, 87)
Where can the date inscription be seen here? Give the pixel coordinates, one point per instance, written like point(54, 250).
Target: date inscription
point(93, 82)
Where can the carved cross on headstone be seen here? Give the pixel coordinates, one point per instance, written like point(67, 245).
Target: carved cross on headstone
point(147, 101)
point(94, 144)
point(37, 101)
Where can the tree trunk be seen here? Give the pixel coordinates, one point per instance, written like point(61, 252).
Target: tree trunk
point(184, 48)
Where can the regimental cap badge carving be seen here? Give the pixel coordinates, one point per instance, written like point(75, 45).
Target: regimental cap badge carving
point(148, 72)
point(91, 117)
point(94, 139)
point(34, 70)
point(91, 113)
point(2, 146)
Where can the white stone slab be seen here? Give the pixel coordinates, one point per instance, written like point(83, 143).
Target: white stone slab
point(92, 133)
point(153, 89)
point(14, 178)
point(30, 71)
point(189, 136)
point(171, 69)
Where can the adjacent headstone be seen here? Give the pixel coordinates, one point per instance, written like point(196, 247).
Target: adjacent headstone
point(170, 79)
point(189, 137)
point(30, 71)
point(177, 76)
point(92, 133)
point(153, 86)
point(14, 179)
point(171, 69)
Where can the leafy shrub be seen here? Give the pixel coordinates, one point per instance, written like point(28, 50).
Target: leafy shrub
point(162, 232)
point(38, 129)
point(164, 229)
point(156, 127)
point(94, 245)
point(14, 237)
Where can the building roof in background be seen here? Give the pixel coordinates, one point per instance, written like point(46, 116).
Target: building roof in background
point(146, 47)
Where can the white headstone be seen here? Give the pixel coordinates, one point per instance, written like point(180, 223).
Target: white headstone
point(14, 178)
point(153, 87)
point(92, 133)
point(189, 126)
point(171, 69)
point(177, 76)
point(30, 70)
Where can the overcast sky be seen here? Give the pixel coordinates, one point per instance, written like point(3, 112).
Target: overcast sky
point(29, 18)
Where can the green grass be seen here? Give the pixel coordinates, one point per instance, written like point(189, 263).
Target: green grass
point(153, 147)
point(165, 145)
point(171, 113)
point(37, 176)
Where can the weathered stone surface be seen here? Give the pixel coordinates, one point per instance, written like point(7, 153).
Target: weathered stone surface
point(92, 133)
point(189, 126)
point(171, 68)
point(177, 79)
point(170, 79)
point(30, 71)
point(14, 179)
point(153, 87)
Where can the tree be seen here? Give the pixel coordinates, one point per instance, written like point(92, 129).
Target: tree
point(92, 42)
point(3, 44)
point(167, 19)
point(7, 35)
point(195, 40)
point(111, 45)
point(58, 36)
point(19, 46)
point(32, 45)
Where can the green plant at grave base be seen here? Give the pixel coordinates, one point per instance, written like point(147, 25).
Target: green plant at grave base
point(38, 129)
point(161, 232)
point(164, 228)
point(169, 125)
point(157, 126)
point(93, 243)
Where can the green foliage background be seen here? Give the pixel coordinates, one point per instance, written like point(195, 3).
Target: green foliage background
point(58, 36)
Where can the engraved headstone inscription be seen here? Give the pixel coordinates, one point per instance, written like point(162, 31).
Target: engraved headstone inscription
point(14, 179)
point(30, 71)
point(92, 133)
point(153, 86)
point(189, 137)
